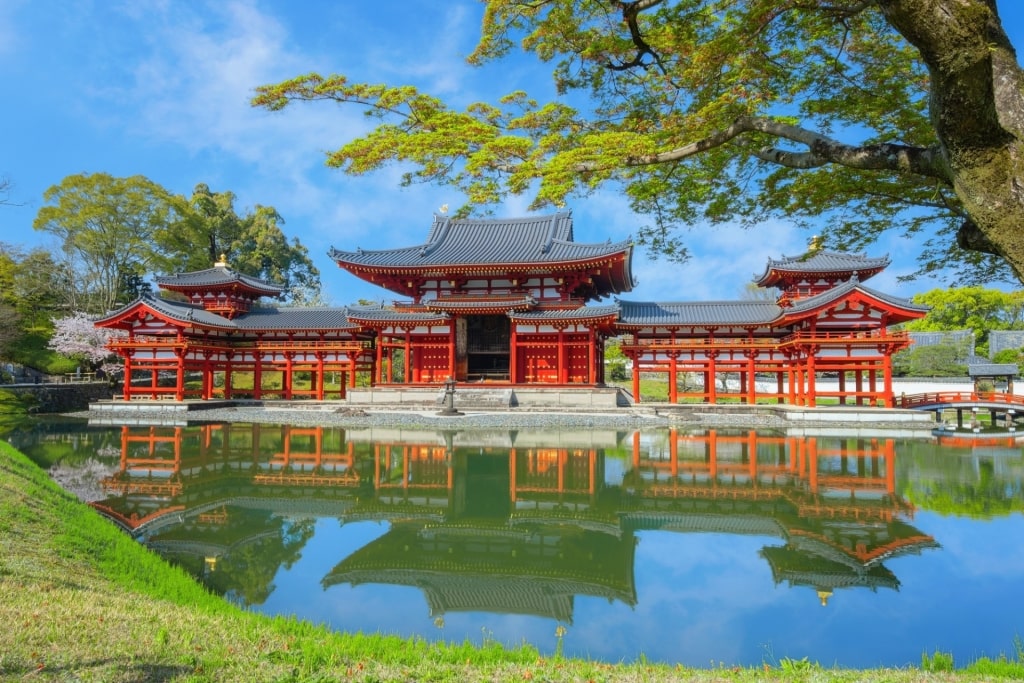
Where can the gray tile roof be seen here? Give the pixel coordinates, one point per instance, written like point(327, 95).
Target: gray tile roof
point(469, 303)
point(190, 314)
point(540, 239)
point(645, 313)
point(825, 262)
point(259, 319)
point(843, 290)
point(582, 313)
point(324, 318)
point(992, 369)
point(217, 276)
point(378, 313)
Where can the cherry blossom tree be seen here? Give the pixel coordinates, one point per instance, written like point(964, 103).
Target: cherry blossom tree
point(77, 337)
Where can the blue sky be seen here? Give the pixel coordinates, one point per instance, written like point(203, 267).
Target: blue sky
point(161, 88)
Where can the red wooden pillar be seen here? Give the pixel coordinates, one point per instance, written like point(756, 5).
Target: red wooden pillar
point(859, 378)
point(711, 381)
point(636, 376)
point(320, 376)
point(591, 377)
point(227, 378)
point(179, 386)
point(751, 379)
point(128, 375)
point(562, 375)
point(842, 387)
point(207, 383)
point(379, 360)
point(286, 383)
point(407, 350)
point(451, 347)
point(887, 379)
point(812, 397)
point(673, 369)
point(257, 373)
point(513, 354)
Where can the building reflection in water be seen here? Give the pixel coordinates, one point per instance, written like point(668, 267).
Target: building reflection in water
point(504, 522)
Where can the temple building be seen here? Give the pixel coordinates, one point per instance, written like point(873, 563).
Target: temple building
point(823, 321)
point(517, 302)
point(215, 328)
point(500, 300)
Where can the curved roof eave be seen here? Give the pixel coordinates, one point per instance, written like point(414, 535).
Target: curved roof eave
point(171, 312)
point(824, 262)
point(217, 276)
point(811, 305)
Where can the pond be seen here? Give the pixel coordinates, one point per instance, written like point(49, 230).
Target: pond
point(706, 548)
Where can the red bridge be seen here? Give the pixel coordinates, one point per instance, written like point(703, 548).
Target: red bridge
point(937, 400)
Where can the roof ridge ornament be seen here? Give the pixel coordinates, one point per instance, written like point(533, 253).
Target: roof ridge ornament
point(222, 263)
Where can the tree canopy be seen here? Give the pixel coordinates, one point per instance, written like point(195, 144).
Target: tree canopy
point(115, 232)
point(107, 227)
point(856, 117)
point(253, 243)
point(970, 308)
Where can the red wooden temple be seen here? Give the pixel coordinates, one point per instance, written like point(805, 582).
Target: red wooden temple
point(517, 302)
point(216, 328)
point(825, 322)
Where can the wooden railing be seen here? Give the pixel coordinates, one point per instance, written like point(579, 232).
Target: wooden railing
point(162, 343)
point(945, 397)
point(874, 337)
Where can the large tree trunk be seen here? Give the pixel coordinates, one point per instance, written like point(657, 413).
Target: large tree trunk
point(977, 107)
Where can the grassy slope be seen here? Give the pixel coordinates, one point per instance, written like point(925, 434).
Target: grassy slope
point(81, 601)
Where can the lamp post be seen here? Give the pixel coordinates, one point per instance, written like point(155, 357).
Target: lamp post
point(449, 398)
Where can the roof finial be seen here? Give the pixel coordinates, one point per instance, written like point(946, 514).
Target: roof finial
point(443, 209)
point(222, 263)
point(815, 245)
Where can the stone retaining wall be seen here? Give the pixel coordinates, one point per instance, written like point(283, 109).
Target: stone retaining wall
point(62, 398)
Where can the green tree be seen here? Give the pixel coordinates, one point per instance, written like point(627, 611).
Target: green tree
point(974, 308)
point(1007, 356)
point(31, 283)
point(10, 330)
point(106, 227)
point(252, 243)
point(873, 115)
point(615, 360)
point(934, 360)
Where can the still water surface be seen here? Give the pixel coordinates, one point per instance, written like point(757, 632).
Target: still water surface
point(704, 548)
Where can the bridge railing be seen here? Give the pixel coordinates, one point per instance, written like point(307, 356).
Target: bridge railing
point(945, 397)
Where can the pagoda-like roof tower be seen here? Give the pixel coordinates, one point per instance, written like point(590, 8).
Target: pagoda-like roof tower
point(817, 270)
point(820, 265)
point(512, 249)
point(219, 289)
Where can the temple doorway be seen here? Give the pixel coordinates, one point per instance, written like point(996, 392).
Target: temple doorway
point(488, 339)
